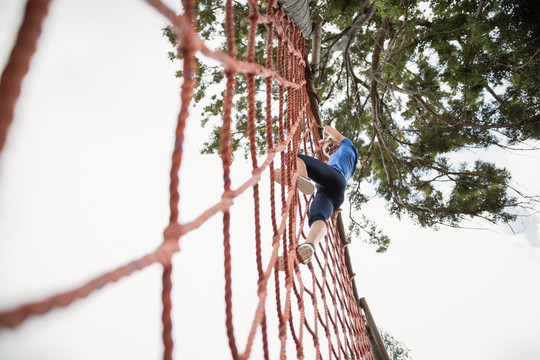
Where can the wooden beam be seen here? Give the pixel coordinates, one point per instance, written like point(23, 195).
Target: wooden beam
point(374, 331)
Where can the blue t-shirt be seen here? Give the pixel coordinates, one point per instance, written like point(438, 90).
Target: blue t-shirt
point(344, 159)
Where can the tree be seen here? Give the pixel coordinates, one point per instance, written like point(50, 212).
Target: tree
point(396, 350)
point(413, 85)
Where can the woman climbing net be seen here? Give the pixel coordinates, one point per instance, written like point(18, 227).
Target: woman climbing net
point(330, 183)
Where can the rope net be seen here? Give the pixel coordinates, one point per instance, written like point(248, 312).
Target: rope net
point(315, 311)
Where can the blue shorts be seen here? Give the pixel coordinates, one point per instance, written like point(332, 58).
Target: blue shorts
point(330, 188)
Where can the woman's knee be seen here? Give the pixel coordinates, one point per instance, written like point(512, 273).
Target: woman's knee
point(319, 213)
point(316, 217)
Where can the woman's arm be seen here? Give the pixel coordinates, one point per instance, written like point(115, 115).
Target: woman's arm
point(334, 134)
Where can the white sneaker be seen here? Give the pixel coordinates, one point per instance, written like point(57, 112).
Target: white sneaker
point(305, 252)
point(302, 183)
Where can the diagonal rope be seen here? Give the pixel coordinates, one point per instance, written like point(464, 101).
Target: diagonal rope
point(19, 62)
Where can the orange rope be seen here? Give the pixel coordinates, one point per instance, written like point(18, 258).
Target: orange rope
point(19, 62)
point(225, 151)
point(318, 314)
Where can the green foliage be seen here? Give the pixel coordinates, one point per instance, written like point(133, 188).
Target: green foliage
point(396, 350)
point(445, 77)
point(375, 236)
point(211, 79)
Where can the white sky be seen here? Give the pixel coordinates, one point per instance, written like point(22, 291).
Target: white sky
point(84, 188)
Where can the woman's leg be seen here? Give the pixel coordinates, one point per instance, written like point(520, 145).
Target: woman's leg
point(302, 183)
point(301, 166)
point(320, 210)
point(322, 173)
point(316, 232)
point(330, 194)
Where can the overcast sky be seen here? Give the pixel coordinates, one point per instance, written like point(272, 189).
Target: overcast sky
point(84, 189)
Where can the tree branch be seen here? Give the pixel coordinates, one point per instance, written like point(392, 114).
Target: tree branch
point(351, 32)
point(446, 120)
